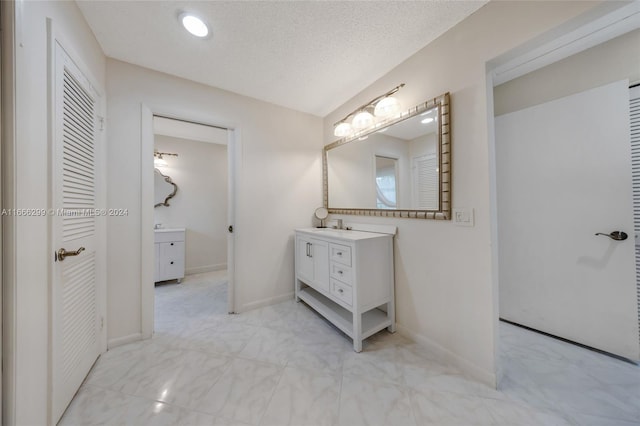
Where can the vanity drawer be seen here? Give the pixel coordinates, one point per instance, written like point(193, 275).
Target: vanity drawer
point(342, 292)
point(172, 250)
point(341, 272)
point(173, 269)
point(339, 253)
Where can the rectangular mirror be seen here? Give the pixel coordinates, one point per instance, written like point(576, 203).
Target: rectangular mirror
point(399, 168)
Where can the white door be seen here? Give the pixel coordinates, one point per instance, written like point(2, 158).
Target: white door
point(564, 175)
point(76, 323)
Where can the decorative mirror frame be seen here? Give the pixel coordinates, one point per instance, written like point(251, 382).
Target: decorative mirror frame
point(444, 157)
point(170, 196)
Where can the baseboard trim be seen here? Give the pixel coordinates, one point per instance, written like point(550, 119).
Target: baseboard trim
point(446, 356)
point(206, 268)
point(266, 302)
point(119, 341)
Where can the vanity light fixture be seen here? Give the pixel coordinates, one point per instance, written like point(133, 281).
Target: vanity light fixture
point(343, 129)
point(362, 120)
point(194, 24)
point(387, 106)
point(383, 106)
point(158, 161)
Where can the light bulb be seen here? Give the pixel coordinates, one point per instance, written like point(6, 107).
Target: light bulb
point(387, 107)
point(343, 129)
point(362, 120)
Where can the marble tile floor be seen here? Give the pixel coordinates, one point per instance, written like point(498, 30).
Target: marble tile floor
point(285, 365)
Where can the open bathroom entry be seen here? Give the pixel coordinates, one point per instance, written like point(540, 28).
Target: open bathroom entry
point(192, 219)
point(563, 188)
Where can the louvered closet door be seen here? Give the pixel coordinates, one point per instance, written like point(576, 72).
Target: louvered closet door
point(75, 324)
point(425, 182)
point(634, 121)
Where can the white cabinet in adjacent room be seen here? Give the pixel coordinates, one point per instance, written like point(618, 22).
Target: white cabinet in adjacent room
point(347, 277)
point(169, 249)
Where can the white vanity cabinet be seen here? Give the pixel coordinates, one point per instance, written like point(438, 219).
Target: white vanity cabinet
point(312, 258)
point(169, 246)
point(347, 276)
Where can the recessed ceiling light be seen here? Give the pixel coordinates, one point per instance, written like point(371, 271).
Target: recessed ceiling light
point(427, 120)
point(194, 24)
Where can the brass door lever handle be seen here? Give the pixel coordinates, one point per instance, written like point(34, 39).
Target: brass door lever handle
point(615, 235)
point(62, 253)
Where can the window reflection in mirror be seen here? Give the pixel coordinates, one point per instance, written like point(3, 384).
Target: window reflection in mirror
point(386, 182)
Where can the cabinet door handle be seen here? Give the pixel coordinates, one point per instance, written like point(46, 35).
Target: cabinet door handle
point(172, 263)
point(340, 291)
point(339, 253)
point(340, 272)
point(308, 247)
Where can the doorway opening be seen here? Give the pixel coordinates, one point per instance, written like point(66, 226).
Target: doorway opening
point(552, 183)
point(192, 216)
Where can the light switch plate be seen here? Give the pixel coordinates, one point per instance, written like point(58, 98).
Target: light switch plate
point(463, 216)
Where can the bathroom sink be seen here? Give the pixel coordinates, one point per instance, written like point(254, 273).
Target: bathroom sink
point(339, 233)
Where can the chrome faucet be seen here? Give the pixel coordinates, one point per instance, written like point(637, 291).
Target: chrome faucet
point(339, 224)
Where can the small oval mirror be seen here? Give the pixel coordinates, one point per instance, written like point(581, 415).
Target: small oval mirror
point(321, 214)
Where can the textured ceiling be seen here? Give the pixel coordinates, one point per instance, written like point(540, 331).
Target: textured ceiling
point(311, 56)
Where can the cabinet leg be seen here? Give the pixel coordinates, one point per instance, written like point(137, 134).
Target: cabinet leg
point(357, 331)
point(179, 280)
point(391, 314)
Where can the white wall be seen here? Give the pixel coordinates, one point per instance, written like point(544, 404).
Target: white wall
point(27, 298)
point(200, 205)
point(278, 185)
point(444, 288)
point(614, 60)
point(423, 145)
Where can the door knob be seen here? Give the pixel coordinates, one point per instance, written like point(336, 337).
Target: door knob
point(615, 235)
point(62, 253)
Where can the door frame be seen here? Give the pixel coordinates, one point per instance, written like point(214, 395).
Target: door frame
point(7, 276)
point(601, 24)
point(146, 209)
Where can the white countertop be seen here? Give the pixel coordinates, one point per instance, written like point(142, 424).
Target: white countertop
point(342, 234)
point(169, 230)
